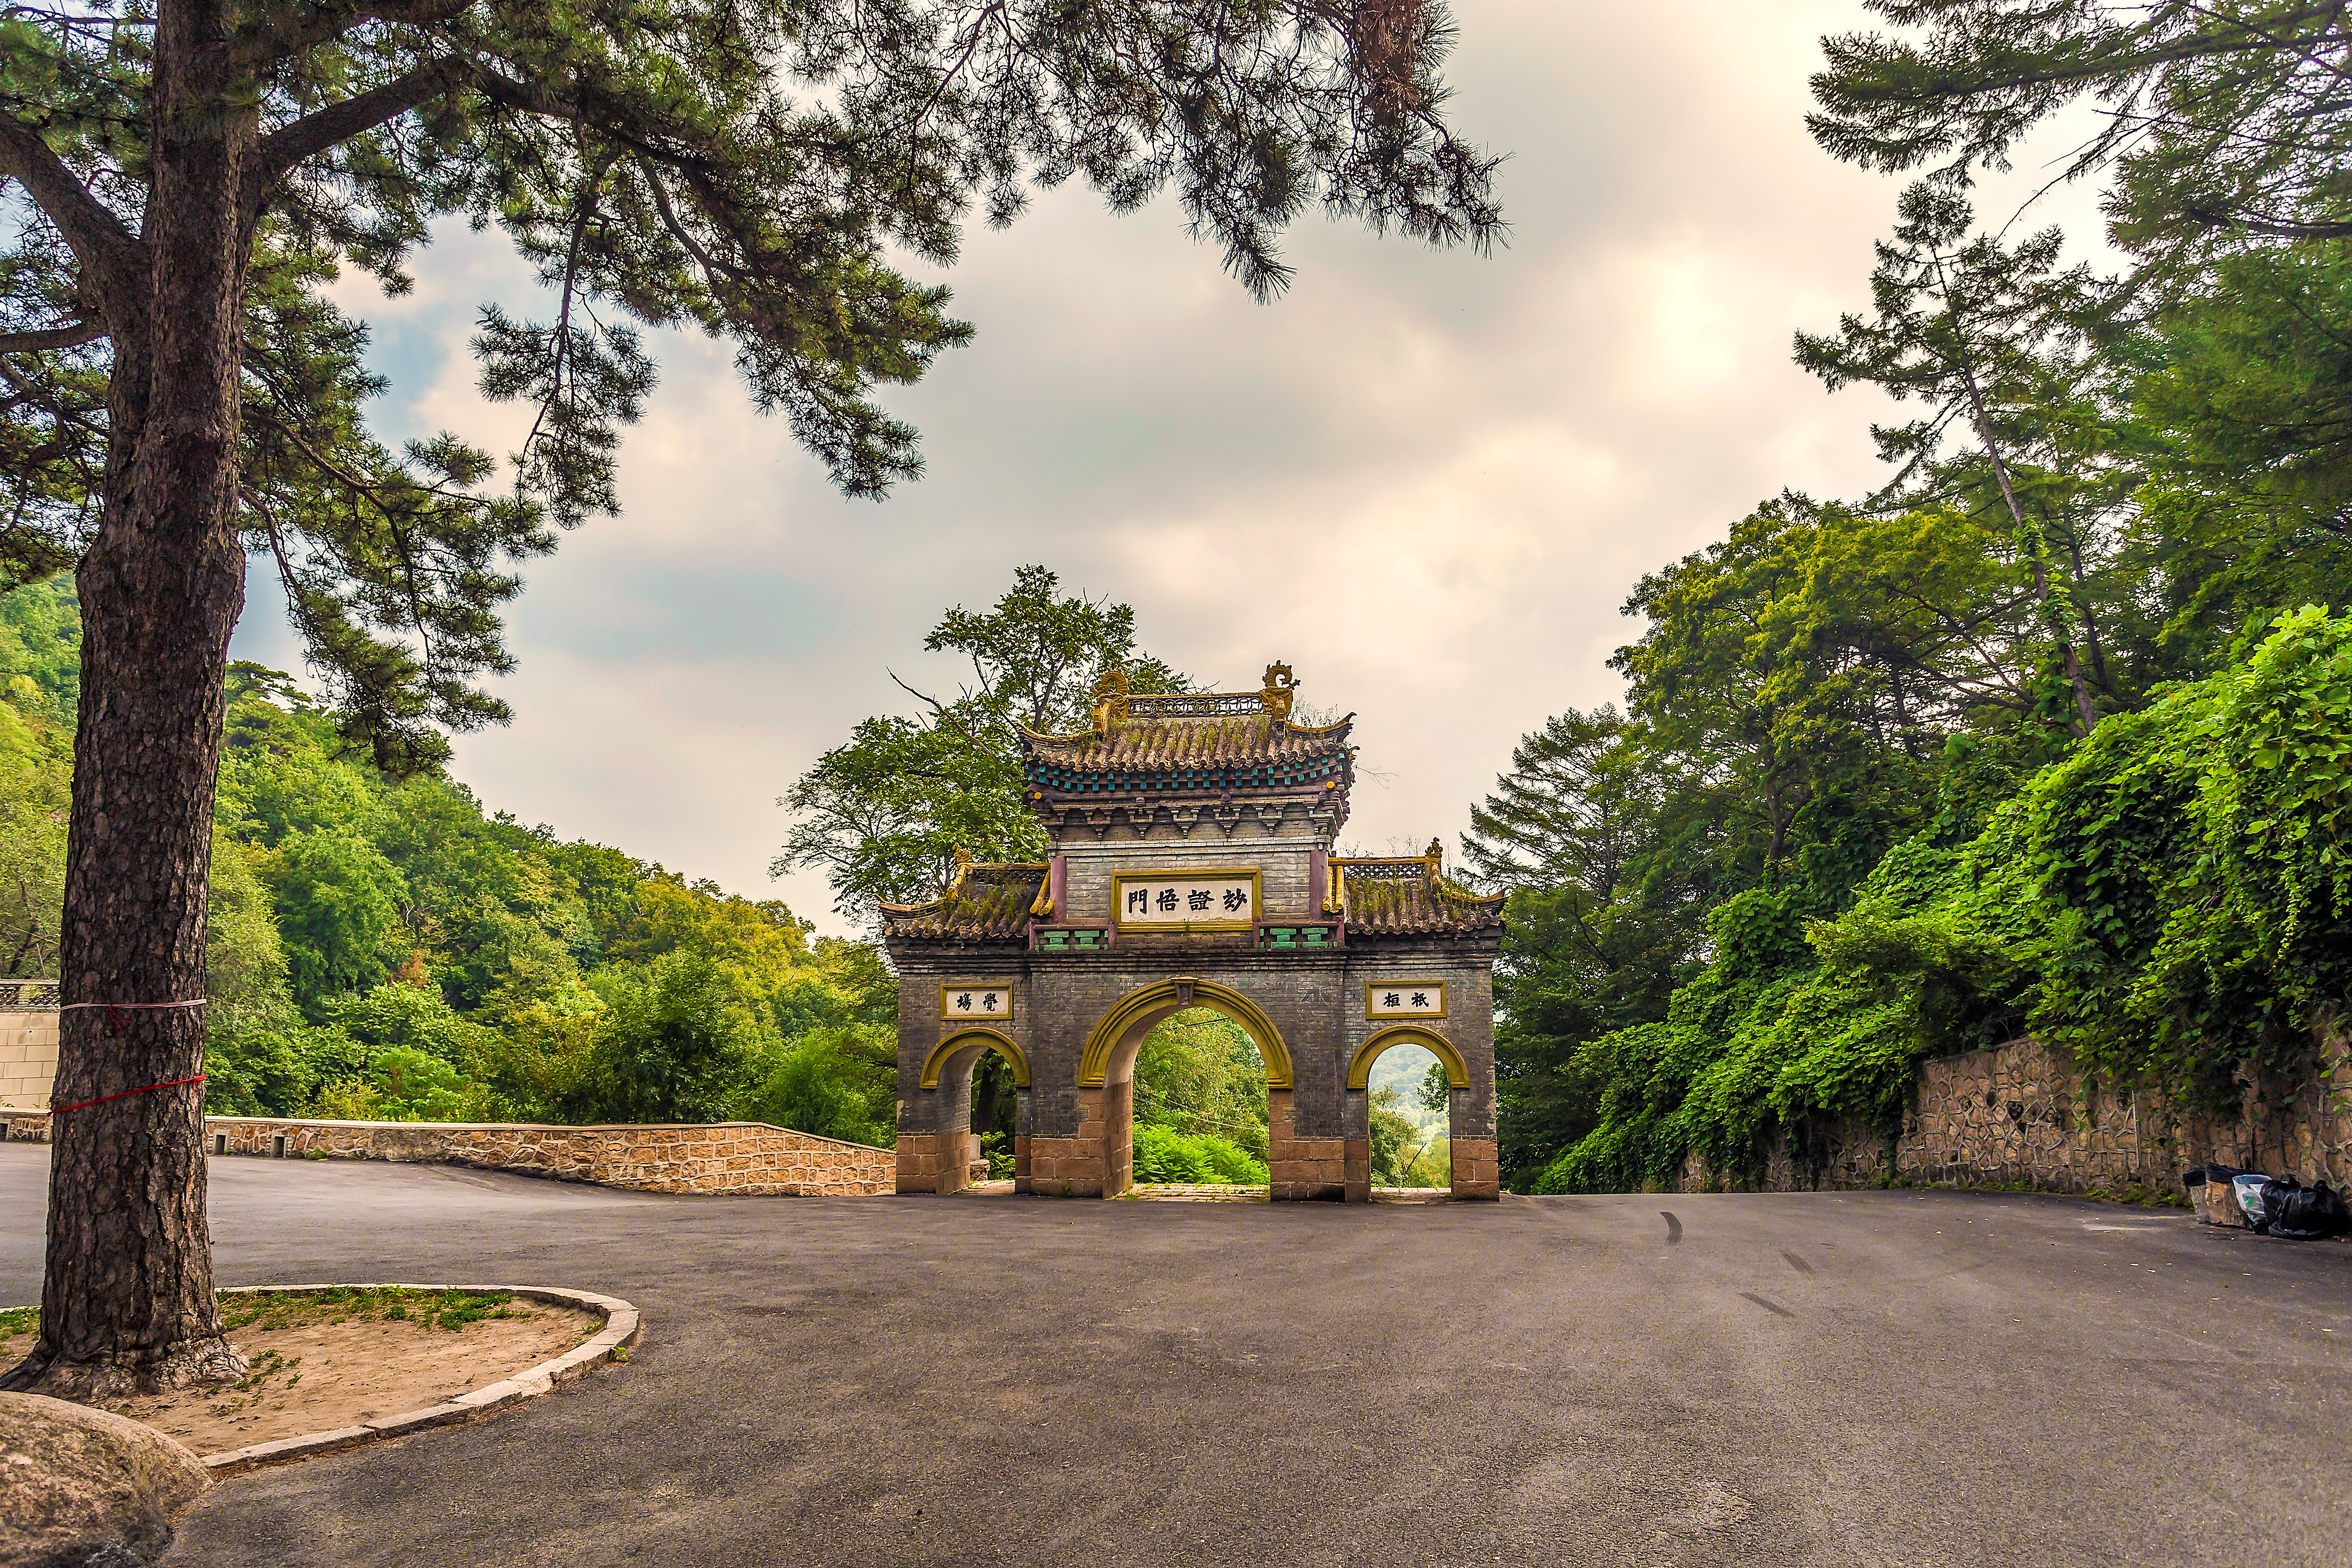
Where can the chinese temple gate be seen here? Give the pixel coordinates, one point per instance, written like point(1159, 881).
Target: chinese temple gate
point(1191, 867)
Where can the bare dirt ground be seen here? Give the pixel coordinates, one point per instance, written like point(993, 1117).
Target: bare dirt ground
point(321, 1362)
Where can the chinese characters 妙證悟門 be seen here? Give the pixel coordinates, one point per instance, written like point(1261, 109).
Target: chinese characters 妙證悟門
point(1187, 899)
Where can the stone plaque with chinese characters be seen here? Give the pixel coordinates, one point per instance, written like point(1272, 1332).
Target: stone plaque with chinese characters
point(1405, 999)
point(976, 999)
point(1218, 900)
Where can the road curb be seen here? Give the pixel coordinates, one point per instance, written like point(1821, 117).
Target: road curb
point(622, 1327)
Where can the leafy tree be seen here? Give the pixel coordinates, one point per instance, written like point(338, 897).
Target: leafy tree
point(1601, 914)
point(1397, 1139)
point(1821, 687)
point(40, 648)
point(337, 901)
point(189, 177)
point(671, 1047)
point(250, 1065)
point(407, 1017)
point(1198, 1073)
point(884, 814)
point(35, 780)
point(837, 1081)
point(2243, 410)
point(400, 1084)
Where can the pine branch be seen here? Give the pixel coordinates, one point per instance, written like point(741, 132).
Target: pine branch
point(96, 237)
point(279, 151)
point(48, 338)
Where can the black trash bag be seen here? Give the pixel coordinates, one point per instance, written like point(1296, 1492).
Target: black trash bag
point(2300, 1213)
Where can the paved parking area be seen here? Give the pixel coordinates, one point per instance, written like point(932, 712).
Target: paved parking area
point(1885, 1378)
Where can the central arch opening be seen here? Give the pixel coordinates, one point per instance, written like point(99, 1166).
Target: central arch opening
point(1199, 1107)
point(1205, 1075)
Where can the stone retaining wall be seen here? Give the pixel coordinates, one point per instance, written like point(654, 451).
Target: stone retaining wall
point(722, 1158)
point(2021, 1114)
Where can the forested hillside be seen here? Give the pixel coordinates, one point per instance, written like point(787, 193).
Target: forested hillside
point(2052, 734)
point(385, 948)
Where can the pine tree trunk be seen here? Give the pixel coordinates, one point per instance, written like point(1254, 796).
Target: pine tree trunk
point(127, 1299)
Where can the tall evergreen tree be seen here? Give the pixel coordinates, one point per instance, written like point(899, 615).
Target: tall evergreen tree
point(1965, 326)
point(2222, 122)
point(186, 175)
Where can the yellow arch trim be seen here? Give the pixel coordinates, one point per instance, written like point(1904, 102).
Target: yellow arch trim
point(1095, 1064)
point(1359, 1071)
point(934, 1063)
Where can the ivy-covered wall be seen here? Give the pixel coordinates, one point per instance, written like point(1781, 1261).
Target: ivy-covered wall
point(2020, 1114)
point(2167, 909)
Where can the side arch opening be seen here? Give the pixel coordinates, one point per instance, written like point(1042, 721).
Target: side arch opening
point(1360, 1069)
point(981, 1118)
point(976, 1041)
point(1403, 1119)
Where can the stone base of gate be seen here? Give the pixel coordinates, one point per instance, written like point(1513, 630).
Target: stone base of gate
point(1302, 1170)
point(940, 1163)
point(1360, 1170)
point(1477, 1170)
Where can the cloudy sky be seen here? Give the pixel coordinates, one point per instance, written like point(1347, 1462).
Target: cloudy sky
point(1426, 478)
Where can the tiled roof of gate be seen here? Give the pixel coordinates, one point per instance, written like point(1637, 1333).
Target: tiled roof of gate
point(1388, 898)
point(1222, 741)
point(984, 903)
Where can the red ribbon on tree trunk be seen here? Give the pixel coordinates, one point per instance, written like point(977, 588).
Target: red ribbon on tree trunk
point(114, 1021)
point(126, 1094)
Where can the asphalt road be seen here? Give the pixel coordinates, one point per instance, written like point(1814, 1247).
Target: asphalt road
point(1882, 1378)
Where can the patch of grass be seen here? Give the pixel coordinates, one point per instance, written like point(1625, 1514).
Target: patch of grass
point(451, 1310)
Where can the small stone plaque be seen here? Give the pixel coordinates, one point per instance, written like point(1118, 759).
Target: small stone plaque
point(1404, 999)
point(976, 999)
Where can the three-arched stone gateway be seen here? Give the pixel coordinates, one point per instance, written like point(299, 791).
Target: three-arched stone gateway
point(1191, 867)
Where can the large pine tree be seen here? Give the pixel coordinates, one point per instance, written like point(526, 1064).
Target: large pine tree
point(184, 176)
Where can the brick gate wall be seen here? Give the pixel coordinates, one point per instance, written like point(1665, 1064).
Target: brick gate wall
point(28, 1042)
point(1315, 999)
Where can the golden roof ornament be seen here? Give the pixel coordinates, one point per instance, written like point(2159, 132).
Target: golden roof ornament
point(1279, 686)
point(1110, 700)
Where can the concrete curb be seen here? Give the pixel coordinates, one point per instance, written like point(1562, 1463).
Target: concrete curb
point(622, 1327)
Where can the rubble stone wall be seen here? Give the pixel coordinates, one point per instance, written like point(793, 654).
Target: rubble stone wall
point(743, 1157)
point(2023, 1114)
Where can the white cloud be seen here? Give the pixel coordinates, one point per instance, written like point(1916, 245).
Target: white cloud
point(1426, 478)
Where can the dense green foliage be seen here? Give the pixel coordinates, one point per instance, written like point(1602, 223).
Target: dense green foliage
point(1200, 1102)
point(2050, 734)
point(381, 948)
point(2169, 902)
